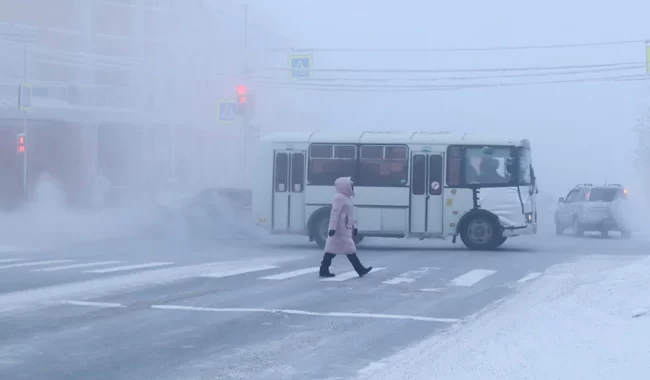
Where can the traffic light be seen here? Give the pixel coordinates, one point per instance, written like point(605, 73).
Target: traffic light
point(21, 143)
point(242, 94)
point(244, 101)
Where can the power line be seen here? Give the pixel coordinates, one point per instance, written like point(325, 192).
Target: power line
point(429, 88)
point(474, 70)
point(465, 49)
point(459, 78)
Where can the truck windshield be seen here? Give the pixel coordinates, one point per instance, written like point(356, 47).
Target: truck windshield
point(488, 165)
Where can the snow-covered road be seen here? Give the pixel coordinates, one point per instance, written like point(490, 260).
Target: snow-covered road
point(173, 308)
point(588, 319)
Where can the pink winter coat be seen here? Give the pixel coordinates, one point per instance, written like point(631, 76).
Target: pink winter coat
point(342, 219)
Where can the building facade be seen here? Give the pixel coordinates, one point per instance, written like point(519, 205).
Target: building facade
point(125, 89)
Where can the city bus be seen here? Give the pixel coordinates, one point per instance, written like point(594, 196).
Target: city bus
point(407, 185)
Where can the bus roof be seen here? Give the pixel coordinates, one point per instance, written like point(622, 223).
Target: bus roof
point(391, 137)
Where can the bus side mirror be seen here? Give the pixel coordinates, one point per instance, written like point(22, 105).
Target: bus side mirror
point(561, 200)
point(510, 166)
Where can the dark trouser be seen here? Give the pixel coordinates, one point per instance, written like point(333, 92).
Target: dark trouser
point(353, 258)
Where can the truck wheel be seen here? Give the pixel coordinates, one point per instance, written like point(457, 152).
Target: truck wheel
point(558, 229)
point(481, 232)
point(577, 228)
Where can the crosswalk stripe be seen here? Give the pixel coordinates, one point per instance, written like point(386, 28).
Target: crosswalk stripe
point(472, 277)
point(349, 275)
point(528, 277)
point(295, 273)
point(128, 267)
point(399, 280)
point(408, 277)
point(35, 263)
point(237, 271)
point(74, 266)
point(10, 260)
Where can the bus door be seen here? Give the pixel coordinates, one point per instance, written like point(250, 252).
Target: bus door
point(426, 204)
point(289, 191)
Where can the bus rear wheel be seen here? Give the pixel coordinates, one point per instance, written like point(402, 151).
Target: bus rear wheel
point(482, 232)
point(320, 229)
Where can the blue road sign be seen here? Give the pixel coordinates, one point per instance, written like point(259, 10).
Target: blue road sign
point(227, 112)
point(300, 66)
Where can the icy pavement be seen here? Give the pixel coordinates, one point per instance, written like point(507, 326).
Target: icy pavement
point(585, 320)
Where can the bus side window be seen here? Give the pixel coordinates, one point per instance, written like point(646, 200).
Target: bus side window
point(435, 174)
point(327, 162)
point(454, 161)
point(418, 180)
point(297, 172)
point(281, 175)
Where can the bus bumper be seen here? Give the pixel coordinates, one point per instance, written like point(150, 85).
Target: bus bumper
point(528, 229)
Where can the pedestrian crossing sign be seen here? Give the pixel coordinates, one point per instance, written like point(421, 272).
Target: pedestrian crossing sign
point(227, 112)
point(300, 66)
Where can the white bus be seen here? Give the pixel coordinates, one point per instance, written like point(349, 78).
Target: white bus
point(407, 184)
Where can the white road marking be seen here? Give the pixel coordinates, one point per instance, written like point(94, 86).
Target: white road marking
point(128, 267)
point(528, 277)
point(87, 303)
point(35, 263)
point(408, 277)
point(227, 272)
point(304, 312)
point(295, 273)
point(10, 260)
point(74, 266)
point(349, 275)
point(472, 277)
point(433, 290)
point(100, 287)
point(399, 280)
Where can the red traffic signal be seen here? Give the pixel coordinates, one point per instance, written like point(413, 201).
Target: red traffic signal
point(242, 94)
point(21, 143)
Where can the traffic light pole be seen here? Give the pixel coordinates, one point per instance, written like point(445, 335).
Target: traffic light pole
point(246, 117)
point(25, 123)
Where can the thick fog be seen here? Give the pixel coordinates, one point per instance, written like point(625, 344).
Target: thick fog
point(410, 65)
point(580, 132)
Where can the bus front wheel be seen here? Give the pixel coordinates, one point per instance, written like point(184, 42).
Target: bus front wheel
point(482, 232)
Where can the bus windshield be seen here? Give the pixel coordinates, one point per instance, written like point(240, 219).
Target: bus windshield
point(488, 166)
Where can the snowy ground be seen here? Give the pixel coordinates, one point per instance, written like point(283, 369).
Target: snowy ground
point(585, 320)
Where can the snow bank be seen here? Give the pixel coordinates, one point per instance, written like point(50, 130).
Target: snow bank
point(580, 321)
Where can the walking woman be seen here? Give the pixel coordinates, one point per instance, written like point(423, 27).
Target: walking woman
point(342, 229)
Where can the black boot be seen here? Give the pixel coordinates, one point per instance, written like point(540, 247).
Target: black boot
point(325, 265)
point(356, 263)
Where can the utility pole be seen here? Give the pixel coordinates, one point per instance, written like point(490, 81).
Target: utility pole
point(25, 189)
point(245, 127)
